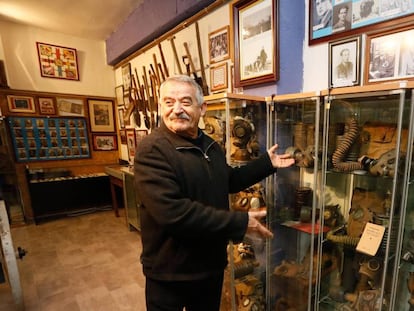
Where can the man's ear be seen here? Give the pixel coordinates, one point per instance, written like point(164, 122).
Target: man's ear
point(203, 108)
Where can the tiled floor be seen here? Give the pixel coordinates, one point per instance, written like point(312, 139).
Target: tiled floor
point(82, 263)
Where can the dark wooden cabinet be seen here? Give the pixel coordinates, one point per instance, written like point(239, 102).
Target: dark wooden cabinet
point(68, 196)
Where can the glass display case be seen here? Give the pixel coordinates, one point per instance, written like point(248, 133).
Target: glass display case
point(10, 191)
point(365, 182)
point(342, 216)
point(292, 196)
point(238, 123)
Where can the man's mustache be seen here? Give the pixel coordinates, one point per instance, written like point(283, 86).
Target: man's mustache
point(182, 116)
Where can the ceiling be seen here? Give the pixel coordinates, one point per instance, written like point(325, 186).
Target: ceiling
point(89, 19)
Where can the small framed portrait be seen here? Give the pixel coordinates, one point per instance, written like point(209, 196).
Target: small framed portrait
point(104, 142)
point(24, 104)
point(119, 93)
point(218, 77)
point(139, 135)
point(123, 137)
point(344, 62)
point(47, 105)
point(389, 56)
point(126, 79)
point(131, 143)
point(218, 44)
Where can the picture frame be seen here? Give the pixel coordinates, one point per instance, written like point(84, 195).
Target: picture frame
point(219, 44)
point(21, 104)
point(47, 105)
point(57, 61)
point(67, 106)
point(101, 115)
point(219, 77)
point(119, 95)
point(333, 19)
point(104, 142)
point(131, 143)
point(389, 55)
point(139, 135)
point(126, 78)
point(344, 62)
point(256, 50)
point(121, 121)
point(123, 137)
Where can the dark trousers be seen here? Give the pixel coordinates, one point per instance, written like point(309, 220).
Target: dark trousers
point(199, 295)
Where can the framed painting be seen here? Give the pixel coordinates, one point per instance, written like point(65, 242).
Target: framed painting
point(47, 105)
point(218, 45)
point(256, 50)
point(218, 77)
point(336, 19)
point(74, 107)
point(57, 61)
point(104, 142)
point(23, 104)
point(101, 115)
point(344, 62)
point(389, 56)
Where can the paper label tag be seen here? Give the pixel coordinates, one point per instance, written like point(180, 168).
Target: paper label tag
point(371, 239)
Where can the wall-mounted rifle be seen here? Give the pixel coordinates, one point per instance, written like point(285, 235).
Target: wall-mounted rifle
point(204, 85)
point(177, 59)
point(193, 70)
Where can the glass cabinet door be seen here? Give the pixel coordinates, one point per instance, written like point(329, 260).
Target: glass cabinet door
point(363, 164)
point(292, 194)
point(238, 123)
point(403, 281)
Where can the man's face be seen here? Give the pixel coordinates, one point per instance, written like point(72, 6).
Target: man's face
point(180, 110)
point(342, 13)
point(321, 6)
point(345, 55)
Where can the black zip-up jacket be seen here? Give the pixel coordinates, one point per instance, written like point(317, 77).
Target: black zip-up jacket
point(183, 188)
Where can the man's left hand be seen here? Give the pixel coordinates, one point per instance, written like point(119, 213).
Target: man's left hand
point(280, 160)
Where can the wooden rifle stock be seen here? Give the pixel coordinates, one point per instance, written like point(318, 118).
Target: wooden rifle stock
point(177, 60)
point(200, 56)
point(164, 64)
point(187, 50)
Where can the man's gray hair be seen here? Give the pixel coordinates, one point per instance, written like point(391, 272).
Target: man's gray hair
point(186, 79)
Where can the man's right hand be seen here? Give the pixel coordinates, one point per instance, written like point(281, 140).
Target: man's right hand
point(255, 227)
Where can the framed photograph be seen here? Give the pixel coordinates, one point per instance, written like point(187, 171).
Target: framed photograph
point(131, 143)
point(57, 61)
point(256, 50)
point(122, 136)
point(126, 78)
point(101, 115)
point(104, 142)
point(139, 135)
point(218, 45)
point(47, 105)
point(334, 19)
point(74, 107)
point(119, 93)
point(218, 77)
point(121, 113)
point(19, 103)
point(390, 56)
point(344, 62)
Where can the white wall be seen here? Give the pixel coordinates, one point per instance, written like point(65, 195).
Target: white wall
point(18, 50)
point(315, 62)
